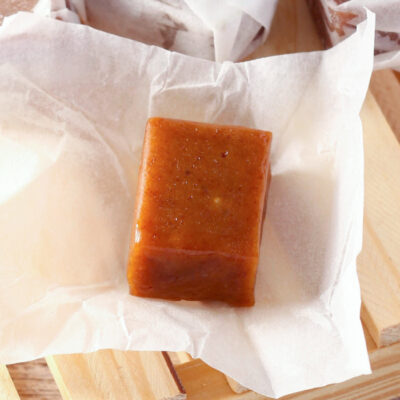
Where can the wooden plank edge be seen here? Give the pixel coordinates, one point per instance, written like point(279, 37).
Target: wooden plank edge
point(33, 380)
point(116, 375)
point(62, 387)
point(179, 357)
point(236, 386)
point(382, 337)
point(371, 345)
point(7, 388)
point(204, 382)
point(378, 262)
point(175, 376)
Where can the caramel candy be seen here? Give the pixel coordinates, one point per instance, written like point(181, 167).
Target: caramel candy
point(199, 212)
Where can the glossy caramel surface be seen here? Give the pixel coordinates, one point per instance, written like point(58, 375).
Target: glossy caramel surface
point(199, 212)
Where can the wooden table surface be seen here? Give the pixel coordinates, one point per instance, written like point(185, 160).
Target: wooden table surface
point(33, 380)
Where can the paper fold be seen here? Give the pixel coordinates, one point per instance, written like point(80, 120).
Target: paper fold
point(222, 31)
point(387, 35)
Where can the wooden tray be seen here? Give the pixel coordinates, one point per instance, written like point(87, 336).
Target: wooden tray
point(117, 375)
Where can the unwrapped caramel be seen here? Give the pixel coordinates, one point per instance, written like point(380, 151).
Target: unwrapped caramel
point(199, 211)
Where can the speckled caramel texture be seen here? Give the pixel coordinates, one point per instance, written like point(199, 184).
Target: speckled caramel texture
point(199, 212)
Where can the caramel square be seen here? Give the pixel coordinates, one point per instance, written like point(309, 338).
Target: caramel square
point(199, 212)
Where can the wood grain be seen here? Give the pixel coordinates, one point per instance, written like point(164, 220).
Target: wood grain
point(379, 261)
point(7, 388)
point(115, 375)
point(203, 382)
point(33, 381)
point(385, 86)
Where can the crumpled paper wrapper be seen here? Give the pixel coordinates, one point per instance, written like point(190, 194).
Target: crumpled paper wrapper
point(73, 107)
point(223, 30)
point(387, 37)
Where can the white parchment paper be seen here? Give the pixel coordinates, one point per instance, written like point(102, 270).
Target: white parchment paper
point(223, 30)
point(73, 108)
point(387, 14)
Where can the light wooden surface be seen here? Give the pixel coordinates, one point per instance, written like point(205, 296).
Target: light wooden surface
point(179, 357)
point(385, 86)
point(235, 386)
point(371, 345)
point(7, 388)
point(115, 375)
point(33, 381)
point(379, 262)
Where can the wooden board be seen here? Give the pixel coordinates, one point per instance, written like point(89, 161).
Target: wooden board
point(179, 357)
point(379, 262)
point(385, 86)
point(116, 375)
point(7, 388)
point(33, 380)
point(236, 386)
